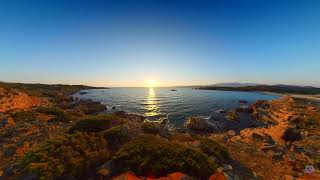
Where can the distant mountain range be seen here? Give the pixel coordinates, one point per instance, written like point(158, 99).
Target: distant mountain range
point(234, 84)
point(279, 88)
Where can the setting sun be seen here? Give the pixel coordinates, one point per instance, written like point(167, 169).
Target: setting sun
point(151, 83)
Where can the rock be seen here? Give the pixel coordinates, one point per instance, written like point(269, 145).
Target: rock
point(243, 101)
point(287, 177)
point(221, 111)
point(218, 176)
point(199, 124)
point(173, 176)
point(244, 109)
point(6, 122)
point(113, 108)
point(177, 176)
point(103, 173)
point(121, 113)
point(254, 174)
point(312, 108)
point(23, 148)
point(227, 167)
point(9, 152)
point(29, 176)
point(232, 115)
point(258, 136)
point(231, 133)
point(236, 177)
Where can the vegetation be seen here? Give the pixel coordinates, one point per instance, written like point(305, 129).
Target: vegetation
point(44, 89)
point(151, 127)
point(96, 123)
point(270, 88)
point(60, 115)
point(116, 136)
point(91, 107)
point(24, 116)
point(212, 148)
point(152, 156)
point(232, 115)
point(291, 135)
point(73, 155)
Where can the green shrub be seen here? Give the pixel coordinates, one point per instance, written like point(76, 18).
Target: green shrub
point(291, 135)
point(151, 127)
point(24, 116)
point(116, 136)
point(91, 107)
point(152, 156)
point(96, 123)
point(60, 115)
point(212, 148)
point(75, 155)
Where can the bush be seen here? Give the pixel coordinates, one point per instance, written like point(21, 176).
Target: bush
point(151, 127)
point(212, 148)
point(116, 136)
point(152, 156)
point(74, 155)
point(291, 135)
point(60, 115)
point(91, 107)
point(96, 123)
point(24, 116)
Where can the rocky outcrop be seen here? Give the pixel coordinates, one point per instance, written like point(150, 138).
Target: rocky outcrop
point(13, 100)
point(199, 124)
point(173, 176)
point(6, 121)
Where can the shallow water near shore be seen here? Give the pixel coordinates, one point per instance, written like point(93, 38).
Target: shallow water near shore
point(177, 105)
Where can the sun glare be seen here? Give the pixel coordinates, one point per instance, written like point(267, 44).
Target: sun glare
point(151, 83)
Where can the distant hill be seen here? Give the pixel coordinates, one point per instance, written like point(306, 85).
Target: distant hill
point(234, 84)
point(280, 88)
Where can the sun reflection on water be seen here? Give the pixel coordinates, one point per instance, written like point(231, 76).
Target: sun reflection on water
point(152, 108)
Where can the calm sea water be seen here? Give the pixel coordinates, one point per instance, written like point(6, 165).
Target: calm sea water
point(177, 105)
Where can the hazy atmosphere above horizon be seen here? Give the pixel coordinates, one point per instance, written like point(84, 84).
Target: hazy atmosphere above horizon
point(160, 43)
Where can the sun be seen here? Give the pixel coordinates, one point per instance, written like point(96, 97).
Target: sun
point(151, 83)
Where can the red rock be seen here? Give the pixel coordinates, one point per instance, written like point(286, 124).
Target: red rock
point(218, 176)
point(126, 176)
point(24, 148)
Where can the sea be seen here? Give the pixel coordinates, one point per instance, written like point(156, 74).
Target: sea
point(177, 104)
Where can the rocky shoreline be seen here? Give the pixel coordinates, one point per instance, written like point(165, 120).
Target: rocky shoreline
point(56, 136)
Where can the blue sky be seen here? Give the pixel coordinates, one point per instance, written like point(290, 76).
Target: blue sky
point(127, 43)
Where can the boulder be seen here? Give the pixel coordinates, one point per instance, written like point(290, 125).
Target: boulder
point(232, 115)
point(173, 176)
point(218, 176)
point(6, 121)
point(199, 124)
point(243, 101)
point(221, 111)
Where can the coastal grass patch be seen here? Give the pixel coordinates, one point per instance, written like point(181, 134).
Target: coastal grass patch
point(72, 155)
point(152, 156)
point(96, 123)
point(60, 114)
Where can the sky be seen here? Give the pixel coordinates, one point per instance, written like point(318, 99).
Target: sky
point(167, 43)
